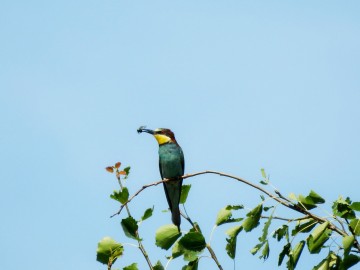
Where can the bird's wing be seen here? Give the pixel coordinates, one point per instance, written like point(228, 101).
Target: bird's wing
point(182, 161)
point(164, 184)
point(160, 170)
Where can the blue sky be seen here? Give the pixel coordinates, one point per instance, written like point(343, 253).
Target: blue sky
point(243, 84)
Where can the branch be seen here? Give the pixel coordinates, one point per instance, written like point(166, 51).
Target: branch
point(286, 219)
point(278, 197)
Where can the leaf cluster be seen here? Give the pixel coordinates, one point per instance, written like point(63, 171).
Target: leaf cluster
point(336, 233)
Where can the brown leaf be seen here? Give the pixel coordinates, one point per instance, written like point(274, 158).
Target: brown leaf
point(117, 165)
point(110, 169)
point(122, 173)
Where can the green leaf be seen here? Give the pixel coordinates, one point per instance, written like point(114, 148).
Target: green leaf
point(166, 236)
point(253, 217)
point(234, 231)
point(286, 251)
point(319, 230)
point(342, 208)
point(323, 265)
point(255, 249)
point(304, 226)
point(355, 206)
point(349, 261)
point(190, 255)
point(231, 241)
point(131, 267)
point(266, 251)
point(331, 261)
point(266, 228)
point(124, 195)
point(158, 266)
point(148, 213)
point(225, 215)
point(316, 243)
point(120, 196)
point(184, 193)
point(355, 226)
point(177, 250)
point(108, 251)
point(193, 241)
point(281, 232)
point(310, 201)
point(231, 247)
point(234, 207)
point(316, 198)
point(348, 241)
point(263, 239)
point(263, 173)
point(306, 202)
point(296, 252)
point(265, 180)
point(130, 227)
point(267, 208)
point(193, 265)
point(127, 170)
point(334, 260)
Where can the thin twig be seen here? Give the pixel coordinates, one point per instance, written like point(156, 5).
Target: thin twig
point(340, 222)
point(121, 188)
point(286, 219)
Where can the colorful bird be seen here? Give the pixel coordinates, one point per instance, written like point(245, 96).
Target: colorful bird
point(171, 164)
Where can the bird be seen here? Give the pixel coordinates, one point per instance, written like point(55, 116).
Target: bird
point(171, 165)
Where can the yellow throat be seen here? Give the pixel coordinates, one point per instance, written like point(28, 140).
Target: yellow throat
point(161, 139)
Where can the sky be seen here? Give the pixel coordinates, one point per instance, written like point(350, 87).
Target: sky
point(244, 85)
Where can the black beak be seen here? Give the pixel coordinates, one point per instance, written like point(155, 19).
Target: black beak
point(143, 129)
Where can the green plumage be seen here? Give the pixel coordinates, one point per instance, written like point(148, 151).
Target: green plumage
point(171, 164)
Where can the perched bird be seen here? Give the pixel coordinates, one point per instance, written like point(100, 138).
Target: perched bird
point(171, 164)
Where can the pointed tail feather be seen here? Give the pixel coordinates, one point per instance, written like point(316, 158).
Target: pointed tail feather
point(175, 216)
point(173, 193)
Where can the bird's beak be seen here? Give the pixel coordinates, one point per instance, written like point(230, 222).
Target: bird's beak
point(141, 129)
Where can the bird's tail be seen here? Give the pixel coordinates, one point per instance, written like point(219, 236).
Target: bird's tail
point(173, 193)
point(175, 216)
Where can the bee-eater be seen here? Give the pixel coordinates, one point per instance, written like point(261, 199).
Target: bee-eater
point(171, 164)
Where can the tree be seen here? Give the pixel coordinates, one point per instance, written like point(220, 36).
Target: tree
point(342, 227)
